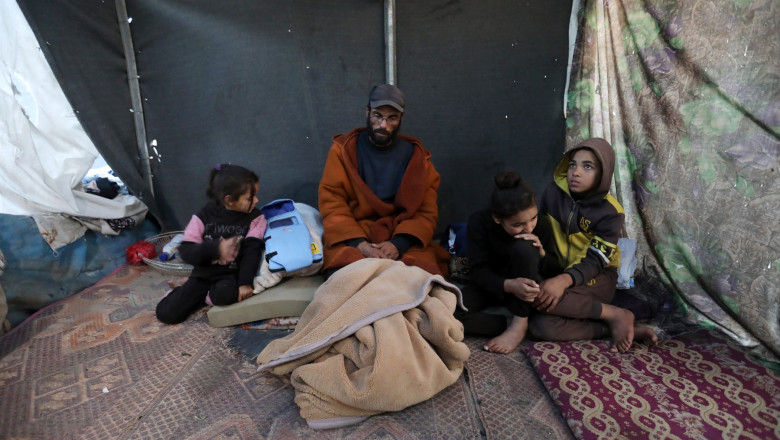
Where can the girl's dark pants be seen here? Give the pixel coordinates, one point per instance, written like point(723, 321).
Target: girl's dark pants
point(522, 263)
point(575, 317)
point(182, 301)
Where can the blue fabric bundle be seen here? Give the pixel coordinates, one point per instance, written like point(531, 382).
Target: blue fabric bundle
point(288, 244)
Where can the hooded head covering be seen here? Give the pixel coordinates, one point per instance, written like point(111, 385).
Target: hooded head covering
point(605, 154)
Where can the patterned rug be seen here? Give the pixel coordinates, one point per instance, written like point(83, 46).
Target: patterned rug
point(693, 386)
point(98, 365)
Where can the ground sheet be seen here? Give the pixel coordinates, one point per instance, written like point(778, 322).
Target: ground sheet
point(692, 386)
point(98, 365)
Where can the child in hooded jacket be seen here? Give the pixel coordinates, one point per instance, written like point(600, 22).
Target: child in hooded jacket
point(580, 271)
point(224, 243)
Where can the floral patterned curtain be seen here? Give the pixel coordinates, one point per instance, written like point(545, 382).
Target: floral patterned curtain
point(688, 93)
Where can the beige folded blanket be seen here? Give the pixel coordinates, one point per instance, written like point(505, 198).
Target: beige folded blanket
point(378, 336)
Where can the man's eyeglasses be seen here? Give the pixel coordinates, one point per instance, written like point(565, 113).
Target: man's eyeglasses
point(377, 118)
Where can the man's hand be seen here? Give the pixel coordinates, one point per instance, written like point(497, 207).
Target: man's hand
point(368, 250)
point(551, 291)
point(244, 292)
point(386, 250)
point(523, 288)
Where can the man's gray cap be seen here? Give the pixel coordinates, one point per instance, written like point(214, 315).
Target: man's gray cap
point(386, 94)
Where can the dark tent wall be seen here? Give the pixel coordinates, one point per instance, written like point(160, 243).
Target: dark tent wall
point(486, 80)
point(267, 84)
point(261, 84)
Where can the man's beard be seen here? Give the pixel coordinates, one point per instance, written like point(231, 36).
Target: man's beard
point(388, 136)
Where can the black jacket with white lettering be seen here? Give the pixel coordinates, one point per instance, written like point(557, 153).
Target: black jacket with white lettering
point(585, 230)
point(214, 222)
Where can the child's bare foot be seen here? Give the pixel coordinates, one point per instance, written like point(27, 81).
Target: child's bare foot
point(646, 334)
point(508, 341)
point(621, 325)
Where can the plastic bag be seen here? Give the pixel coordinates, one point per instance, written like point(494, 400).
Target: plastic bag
point(627, 248)
point(136, 252)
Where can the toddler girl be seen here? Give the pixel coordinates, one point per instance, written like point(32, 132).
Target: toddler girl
point(224, 243)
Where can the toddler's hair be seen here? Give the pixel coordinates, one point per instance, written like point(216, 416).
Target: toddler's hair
point(230, 180)
point(511, 195)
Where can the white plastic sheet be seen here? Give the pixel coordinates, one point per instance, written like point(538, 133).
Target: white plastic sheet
point(44, 151)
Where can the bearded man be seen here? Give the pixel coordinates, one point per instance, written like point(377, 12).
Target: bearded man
point(378, 192)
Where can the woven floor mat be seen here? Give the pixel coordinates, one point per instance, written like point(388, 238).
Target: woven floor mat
point(692, 386)
point(98, 365)
point(513, 403)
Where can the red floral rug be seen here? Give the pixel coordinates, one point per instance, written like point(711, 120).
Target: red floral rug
point(693, 386)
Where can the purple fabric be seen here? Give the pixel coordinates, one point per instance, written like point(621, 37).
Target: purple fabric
point(696, 385)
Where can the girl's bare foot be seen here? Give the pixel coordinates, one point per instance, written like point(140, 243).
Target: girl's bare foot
point(508, 341)
point(621, 326)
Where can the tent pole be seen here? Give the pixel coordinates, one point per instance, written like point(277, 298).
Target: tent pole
point(135, 92)
point(390, 74)
point(573, 29)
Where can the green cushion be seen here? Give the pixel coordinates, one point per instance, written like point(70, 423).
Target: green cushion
point(288, 298)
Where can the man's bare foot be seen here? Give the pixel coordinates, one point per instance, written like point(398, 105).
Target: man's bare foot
point(647, 334)
point(508, 341)
point(621, 326)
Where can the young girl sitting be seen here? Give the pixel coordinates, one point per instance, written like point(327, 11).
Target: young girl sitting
point(504, 257)
point(224, 243)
